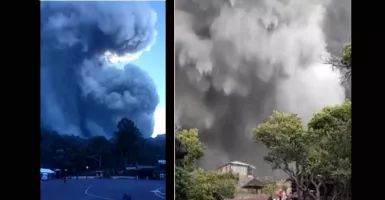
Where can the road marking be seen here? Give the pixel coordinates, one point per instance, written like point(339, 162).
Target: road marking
point(92, 195)
point(159, 193)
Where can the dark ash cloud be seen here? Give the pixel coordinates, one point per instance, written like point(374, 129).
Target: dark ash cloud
point(238, 60)
point(81, 92)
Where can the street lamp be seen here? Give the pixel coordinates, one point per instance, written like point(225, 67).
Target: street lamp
point(86, 171)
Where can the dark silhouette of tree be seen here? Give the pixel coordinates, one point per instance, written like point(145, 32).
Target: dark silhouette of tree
point(127, 139)
point(127, 146)
point(98, 147)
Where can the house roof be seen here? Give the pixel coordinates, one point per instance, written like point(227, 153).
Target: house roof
point(239, 163)
point(254, 183)
point(44, 170)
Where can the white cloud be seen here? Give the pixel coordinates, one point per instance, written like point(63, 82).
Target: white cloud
point(114, 58)
point(160, 121)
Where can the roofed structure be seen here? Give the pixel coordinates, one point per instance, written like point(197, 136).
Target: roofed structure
point(241, 168)
point(244, 170)
point(48, 171)
point(239, 163)
point(254, 184)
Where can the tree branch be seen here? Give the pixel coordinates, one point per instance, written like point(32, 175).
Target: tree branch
point(298, 169)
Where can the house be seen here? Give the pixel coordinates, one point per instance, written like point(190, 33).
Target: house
point(245, 171)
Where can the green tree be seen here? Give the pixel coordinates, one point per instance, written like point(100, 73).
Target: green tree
point(209, 184)
point(343, 62)
point(312, 156)
point(183, 182)
point(331, 131)
point(347, 55)
point(270, 187)
point(189, 140)
point(195, 184)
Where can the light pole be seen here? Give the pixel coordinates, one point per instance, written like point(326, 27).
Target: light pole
point(65, 175)
point(86, 171)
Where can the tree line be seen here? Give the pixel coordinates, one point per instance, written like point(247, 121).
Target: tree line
point(76, 154)
point(315, 157)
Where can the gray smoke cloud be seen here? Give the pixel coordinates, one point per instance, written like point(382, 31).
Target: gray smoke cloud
point(237, 61)
point(82, 91)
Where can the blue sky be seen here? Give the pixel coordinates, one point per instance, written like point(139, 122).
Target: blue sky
point(154, 62)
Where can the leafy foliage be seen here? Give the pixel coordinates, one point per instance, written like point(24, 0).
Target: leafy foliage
point(197, 184)
point(270, 187)
point(312, 156)
point(183, 182)
point(193, 150)
point(285, 136)
point(347, 55)
point(332, 129)
point(207, 184)
point(189, 140)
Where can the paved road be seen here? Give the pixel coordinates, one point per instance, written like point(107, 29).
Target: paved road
point(98, 189)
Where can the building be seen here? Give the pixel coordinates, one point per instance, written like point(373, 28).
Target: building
point(254, 184)
point(46, 174)
point(157, 171)
point(245, 171)
point(161, 172)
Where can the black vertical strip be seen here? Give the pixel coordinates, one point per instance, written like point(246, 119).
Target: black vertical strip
point(367, 42)
point(170, 145)
point(21, 114)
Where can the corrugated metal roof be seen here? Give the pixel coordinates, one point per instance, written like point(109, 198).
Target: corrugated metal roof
point(239, 163)
point(242, 163)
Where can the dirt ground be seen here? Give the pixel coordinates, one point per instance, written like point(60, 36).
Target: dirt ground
point(254, 197)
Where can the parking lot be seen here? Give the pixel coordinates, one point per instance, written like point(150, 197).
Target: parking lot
point(108, 189)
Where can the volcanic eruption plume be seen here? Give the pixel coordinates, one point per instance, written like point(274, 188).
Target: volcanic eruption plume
point(237, 61)
point(83, 91)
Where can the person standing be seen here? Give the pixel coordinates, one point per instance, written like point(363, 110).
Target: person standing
point(284, 196)
point(279, 194)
